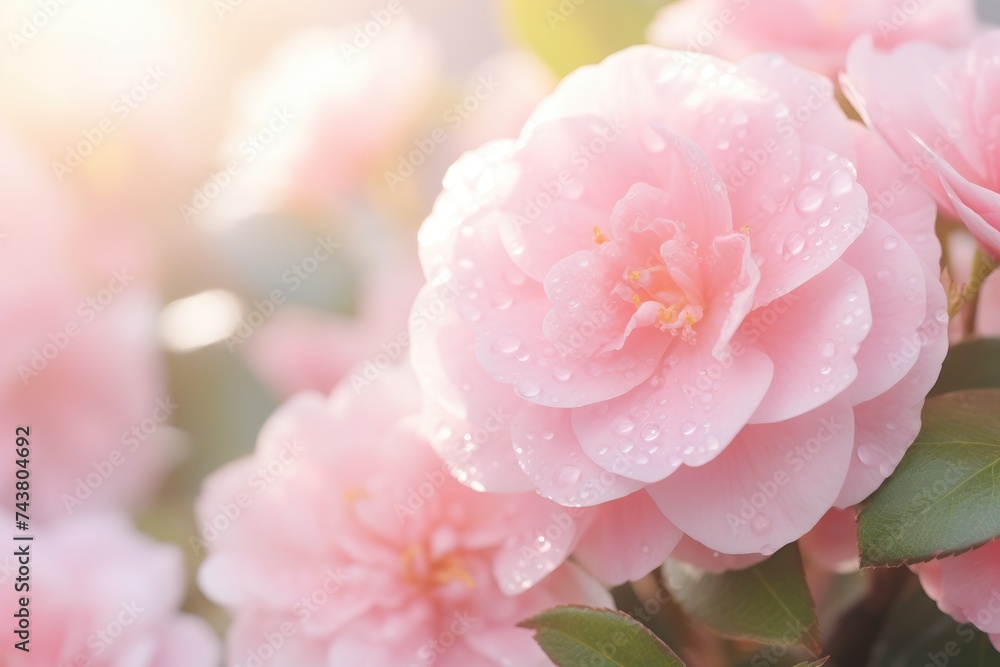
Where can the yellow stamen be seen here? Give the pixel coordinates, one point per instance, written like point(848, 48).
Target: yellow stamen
point(353, 495)
point(689, 318)
point(667, 315)
point(636, 300)
point(599, 236)
point(745, 229)
point(452, 569)
point(634, 276)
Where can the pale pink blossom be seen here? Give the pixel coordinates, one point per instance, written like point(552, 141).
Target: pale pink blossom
point(104, 595)
point(967, 587)
point(940, 111)
point(82, 367)
point(344, 540)
point(317, 119)
point(679, 285)
point(815, 34)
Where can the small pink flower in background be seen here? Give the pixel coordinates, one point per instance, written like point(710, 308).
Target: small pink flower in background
point(345, 536)
point(302, 349)
point(967, 587)
point(679, 286)
point(814, 34)
point(940, 111)
point(329, 112)
point(104, 595)
point(82, 365)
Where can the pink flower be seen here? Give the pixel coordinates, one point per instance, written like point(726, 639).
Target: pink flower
point(815, 34)
point(673, 287)
point(104, 595)
point(344, 540)
point(302, 348)
point(967, 587)
point(940, 111)
point(321, 115)
point(82, 365)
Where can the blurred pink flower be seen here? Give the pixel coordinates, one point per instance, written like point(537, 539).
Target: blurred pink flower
point(967, 587)
point(673, 284)
point(303, 349)
point(815, 34)
point(321, 114)
point(940, 111)
point(105, 595)
point(344, 540)
point(82, 368)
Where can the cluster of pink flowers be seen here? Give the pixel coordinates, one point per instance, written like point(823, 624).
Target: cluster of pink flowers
point(679, 305)
point(691, 310)
point(84, 382)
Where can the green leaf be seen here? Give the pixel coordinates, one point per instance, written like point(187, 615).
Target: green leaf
point(916, 634)
point(570, 33)
point(768, 602)
point(973, 365)
point(944, 497)
point(578, 636)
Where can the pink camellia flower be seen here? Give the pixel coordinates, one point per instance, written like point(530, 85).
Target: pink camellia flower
point(82, 368)
point(815, 34)
point(320, 115)
point(104, 595)
point(343, 540)
point(967, 587)
point(940, 111)
point(680, 284)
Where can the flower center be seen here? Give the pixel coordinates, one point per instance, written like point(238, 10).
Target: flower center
point(674, 307)
point(420, 570)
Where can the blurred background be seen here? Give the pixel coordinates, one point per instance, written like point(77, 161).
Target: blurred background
point(222, 196)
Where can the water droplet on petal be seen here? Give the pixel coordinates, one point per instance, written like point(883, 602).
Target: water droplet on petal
point(760, 523)
point(793, 245)
point(561, 373)
point(650, 433)
point(809, 199)
point(624, 427)
point(568, 475)
point(528, 389)
point(688, 428)
point(890, 242)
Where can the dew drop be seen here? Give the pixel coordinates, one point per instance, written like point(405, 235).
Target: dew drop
point(528, 389)
point(687, 428)
point(889, 242)
point(809, 199)
point(650, 433)
point(624, 427)
point(793, 245)
point(561, 373)
point(841, 182)
point(568, 475)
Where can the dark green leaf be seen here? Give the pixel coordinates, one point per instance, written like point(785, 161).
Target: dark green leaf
point(917, 634)
point(580, 636)
point(974, 365)
point(768, 602)
point(944, 497)
point(571, 33)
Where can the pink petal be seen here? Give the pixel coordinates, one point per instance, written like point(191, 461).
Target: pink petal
point(897, 294)
point(699, 97)
point(894, 196)
point(812, 335)
point(548, 451)
point(768, 488)
point(709, 560)
point(886, 426)
point(686, 414)
point(628, 539)
point(826, 212)
point(813, 110)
